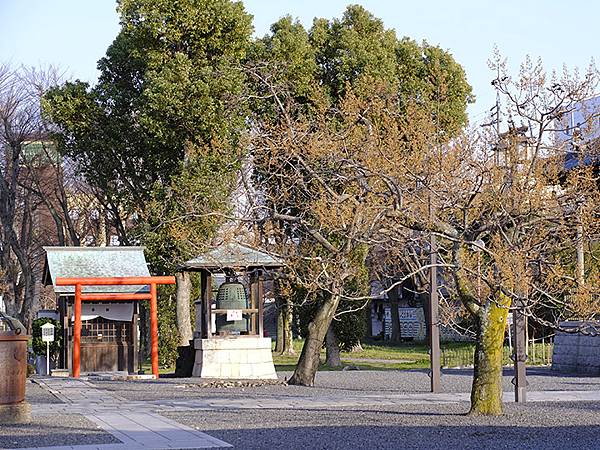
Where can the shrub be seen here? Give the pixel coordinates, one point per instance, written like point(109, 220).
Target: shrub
point(39, 346)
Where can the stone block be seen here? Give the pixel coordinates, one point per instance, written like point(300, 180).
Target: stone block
point(208, 357)
point(565, 358)
point(234, 356)
point(225, 371)
point(241, 357)
point(223, 356)
point(210, 372)
point(245, 370)
point(15, 413)
point(564, 368)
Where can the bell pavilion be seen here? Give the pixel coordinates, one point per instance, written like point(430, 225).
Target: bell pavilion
point(229, 339)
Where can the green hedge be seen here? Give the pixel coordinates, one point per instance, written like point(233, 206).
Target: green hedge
point(39, 346)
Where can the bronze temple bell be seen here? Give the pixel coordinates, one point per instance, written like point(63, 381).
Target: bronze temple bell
point(232, 295)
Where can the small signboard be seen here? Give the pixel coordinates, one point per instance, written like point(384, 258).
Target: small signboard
point(409, 322)
point(387, 323)
point(234, 314)
point(48, 332)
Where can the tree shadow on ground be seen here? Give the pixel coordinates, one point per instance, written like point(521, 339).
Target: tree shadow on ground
point(38, 433)
point(380, 436)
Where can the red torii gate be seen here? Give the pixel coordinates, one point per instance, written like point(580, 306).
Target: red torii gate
point(114, 281)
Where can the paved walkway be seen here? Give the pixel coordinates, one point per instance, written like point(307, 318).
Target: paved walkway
point(132, 424)
point(140, 424)
point(85, 398)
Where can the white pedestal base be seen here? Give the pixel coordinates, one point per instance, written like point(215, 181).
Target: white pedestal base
point(234, 358)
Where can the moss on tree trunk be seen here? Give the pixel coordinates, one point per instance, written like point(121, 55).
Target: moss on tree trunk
point(486, 393)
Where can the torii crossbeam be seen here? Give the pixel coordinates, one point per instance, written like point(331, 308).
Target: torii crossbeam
point(79, 283)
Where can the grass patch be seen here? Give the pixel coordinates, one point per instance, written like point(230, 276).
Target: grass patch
point(381, 355)
point(147, 368)
point(376, 354)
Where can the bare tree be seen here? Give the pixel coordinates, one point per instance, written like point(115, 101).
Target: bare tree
point(20, 124)
point(42, 199)
point(503, 207)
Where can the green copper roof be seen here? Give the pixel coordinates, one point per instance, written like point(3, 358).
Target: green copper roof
point(95, 262)
point(232, 256)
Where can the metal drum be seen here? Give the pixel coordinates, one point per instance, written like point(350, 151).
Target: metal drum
point(231, 295)
point(13, 360)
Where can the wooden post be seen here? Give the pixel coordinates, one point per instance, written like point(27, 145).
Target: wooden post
point(67, 359)
point(520, 353)
point(206, 291)
point(261, 307)
point(154, 328)
point(77, 333)
point(135, 358)
point(198, 319)
point(253, 303)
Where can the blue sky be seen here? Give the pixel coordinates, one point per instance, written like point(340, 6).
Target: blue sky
point(74, 34)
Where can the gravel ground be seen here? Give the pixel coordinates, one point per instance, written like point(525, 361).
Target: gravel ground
point(345, 383)
point(35, 394)
point(531, 426)
point(566, 425)
point(50, 430)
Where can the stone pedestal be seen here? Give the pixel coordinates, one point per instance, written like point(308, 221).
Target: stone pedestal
point(17, 413)
point(245, 357)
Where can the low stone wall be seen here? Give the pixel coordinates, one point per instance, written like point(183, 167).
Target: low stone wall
point(576, 352)
point(245, 357)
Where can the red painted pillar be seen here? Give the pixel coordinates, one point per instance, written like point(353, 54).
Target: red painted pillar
point(77, 332)
point(154, 328)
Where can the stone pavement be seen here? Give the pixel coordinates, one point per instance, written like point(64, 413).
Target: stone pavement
point(143, 423)
point(83, 397)
point(134, 425)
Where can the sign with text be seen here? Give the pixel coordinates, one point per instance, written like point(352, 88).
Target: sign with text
point(234, 314)
point(409, 322)
point(48, 332)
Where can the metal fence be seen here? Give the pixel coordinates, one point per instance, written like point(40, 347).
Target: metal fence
point(539, 353)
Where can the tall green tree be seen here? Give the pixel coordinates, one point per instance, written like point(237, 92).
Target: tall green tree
point(163, 99)
point(158, 136)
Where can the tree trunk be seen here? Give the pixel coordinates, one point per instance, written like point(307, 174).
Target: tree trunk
point(369, 319)
point(184, 323)
point(279, 342)
point(332, 349)
point(394, 303)
point(486, 393)
point(308, 363)
point(284, 344)
point(288, 337)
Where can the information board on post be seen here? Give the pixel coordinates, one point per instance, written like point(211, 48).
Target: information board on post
point(47, 337)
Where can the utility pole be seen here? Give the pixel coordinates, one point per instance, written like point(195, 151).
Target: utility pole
point(433, 319)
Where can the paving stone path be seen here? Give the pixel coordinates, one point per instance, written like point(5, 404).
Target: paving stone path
point(142, 423)
point(132, 423)
point(82, 397)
